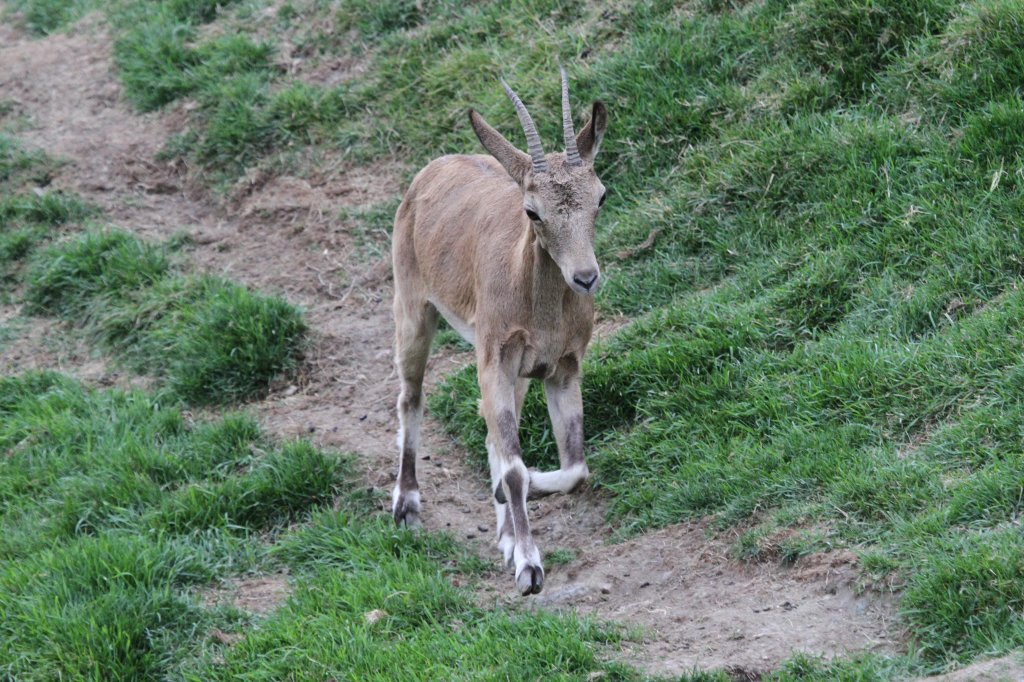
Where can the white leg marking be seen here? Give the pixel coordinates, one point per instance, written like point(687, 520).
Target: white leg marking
point(409, 424)
point(560, 481)
point(503, 524)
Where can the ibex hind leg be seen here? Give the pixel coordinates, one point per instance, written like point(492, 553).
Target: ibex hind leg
point(565, 407)
point(415, 325)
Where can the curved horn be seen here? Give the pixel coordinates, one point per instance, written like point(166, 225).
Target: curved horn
point(540, 162)
point(572, 154)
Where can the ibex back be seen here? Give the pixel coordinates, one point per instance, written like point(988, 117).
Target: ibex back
point(502, 246)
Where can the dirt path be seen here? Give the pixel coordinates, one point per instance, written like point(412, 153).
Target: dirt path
point(283, 235)
point(1008, 668)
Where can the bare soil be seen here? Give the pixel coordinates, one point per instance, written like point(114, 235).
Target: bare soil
point(30, 344)
point(693, 605)
point(258, 594)
point(1006, 669)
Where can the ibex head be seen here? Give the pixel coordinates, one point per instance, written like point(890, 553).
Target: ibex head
point(561, 192)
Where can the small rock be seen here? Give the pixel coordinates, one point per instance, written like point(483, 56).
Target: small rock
point(606, 589)
point(222, 637)
point(482, 529)
point(470, 536)
point(565, 595)
point(375, 615)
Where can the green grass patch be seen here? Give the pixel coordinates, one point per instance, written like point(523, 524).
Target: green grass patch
point(29, 214)
point(559, 557)
point(114, 506)
point(242, 115)
point(159, 64)
point(851, 42)
point(211, 340)
point(376, 20)
point(20, 167)
point(371, 603)
point(971, 601)
point(116, 510)
point(448, 337)
point(52, 208)
point(43, 17)
point(969, 64)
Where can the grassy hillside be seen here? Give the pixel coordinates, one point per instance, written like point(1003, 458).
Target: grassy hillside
point(834, 192)
point(814, 213)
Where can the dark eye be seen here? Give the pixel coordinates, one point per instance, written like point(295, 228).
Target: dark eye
point(601, 202)
point(532, 216)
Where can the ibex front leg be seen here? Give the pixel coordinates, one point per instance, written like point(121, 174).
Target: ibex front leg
point(565, 406)
point(510, 476)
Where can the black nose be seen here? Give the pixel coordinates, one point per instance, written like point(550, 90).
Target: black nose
point(585, 278)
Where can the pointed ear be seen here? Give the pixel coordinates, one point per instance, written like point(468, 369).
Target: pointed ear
point(589, 139)
point(516, 163)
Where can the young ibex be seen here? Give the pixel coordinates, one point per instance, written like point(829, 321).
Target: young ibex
point(503, 247)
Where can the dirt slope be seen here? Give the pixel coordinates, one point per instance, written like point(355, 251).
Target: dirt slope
point(283, 235)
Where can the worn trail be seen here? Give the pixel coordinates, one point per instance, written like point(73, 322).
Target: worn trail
point(283, 235)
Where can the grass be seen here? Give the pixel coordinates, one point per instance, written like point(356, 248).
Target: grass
point(375, 606)
point(243, 115)
point(212, 341)
point(43, 17)
point(829, 308)
point(29, 213)
point(833, 294)
point(19, 166)
point(834, 267)
point(118, 511)
point(108, 523)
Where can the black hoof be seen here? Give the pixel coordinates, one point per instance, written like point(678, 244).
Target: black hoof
point(531, 580)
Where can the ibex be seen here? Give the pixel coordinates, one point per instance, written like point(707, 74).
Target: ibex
point(503, 247)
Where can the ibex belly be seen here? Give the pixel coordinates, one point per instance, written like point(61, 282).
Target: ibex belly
point(465, 328)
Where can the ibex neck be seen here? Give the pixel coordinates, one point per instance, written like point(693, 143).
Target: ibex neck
point(547, 287)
